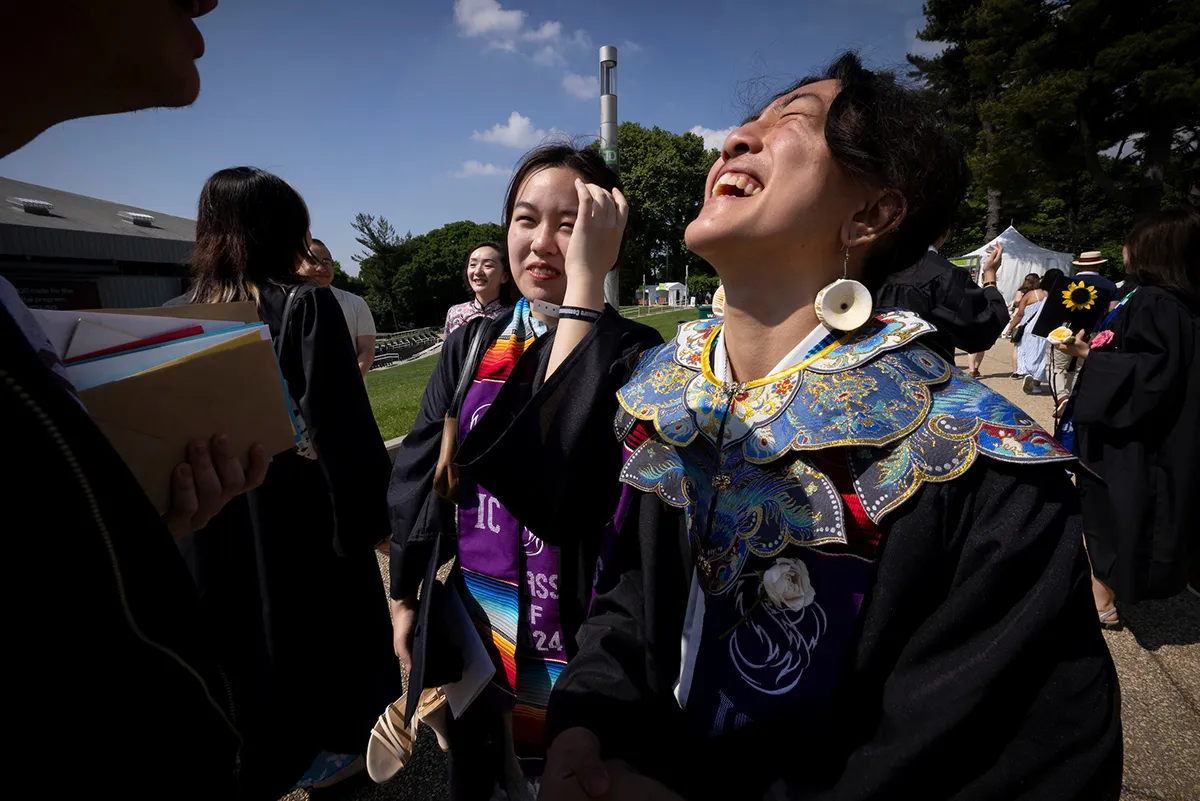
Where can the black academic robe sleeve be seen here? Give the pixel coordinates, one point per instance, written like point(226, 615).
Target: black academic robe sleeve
point(978, 671)
point(416, 512)
point(968, 317)
point(972, 315)
point(1145, 368)
point(333, 399)
point(565, 426)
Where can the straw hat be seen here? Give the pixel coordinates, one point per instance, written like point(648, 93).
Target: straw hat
point(1091, 258)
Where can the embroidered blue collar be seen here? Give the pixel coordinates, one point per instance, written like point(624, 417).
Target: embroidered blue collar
point(903, 412)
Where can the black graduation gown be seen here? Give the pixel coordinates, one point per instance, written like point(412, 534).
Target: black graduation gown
point(111, 678)
point(418, 515)
point(977, 670)
point(287, 574)
point(967, 316)
point(1137, 425)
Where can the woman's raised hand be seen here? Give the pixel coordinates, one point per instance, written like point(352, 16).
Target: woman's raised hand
point(596, 238)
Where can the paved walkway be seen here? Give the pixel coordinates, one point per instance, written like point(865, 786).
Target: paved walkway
point(1157, 656)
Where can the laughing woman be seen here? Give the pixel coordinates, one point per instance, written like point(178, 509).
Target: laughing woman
point(843, 568)
point(528, 597)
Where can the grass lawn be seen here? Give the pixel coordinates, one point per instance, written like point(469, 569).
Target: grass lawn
point(396, 393)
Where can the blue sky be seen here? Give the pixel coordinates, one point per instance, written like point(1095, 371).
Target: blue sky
point(418, 110)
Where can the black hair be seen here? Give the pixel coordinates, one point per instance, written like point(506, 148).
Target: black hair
point(587, 162)
point(251, 229)
point(1052, 275)
point(1164, 251)
point(508, 292)
point(319, 242)
point(889, 135)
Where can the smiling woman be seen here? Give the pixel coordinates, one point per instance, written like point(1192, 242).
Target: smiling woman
point(919, 520)
point(488, 276)
point(560, 215)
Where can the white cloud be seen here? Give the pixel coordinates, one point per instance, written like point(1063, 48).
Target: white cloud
point(581, 40)
point(547, 56)
point(473, 168)
point(486, 17)
point(582, 86)
point(505, 30)
point(713, 139)
point(920, 47)
point(629, 46)
point(549, 32)
point(518, 133)
point(507, 45)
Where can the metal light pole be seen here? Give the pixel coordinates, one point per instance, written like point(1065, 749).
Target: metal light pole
point(608, 145)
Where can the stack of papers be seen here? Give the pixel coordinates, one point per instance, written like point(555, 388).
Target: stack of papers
point(155, 380)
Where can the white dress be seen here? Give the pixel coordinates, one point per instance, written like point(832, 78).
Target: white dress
point(1031, 350)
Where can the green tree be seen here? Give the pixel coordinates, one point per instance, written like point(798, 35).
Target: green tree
point(349, 283)
point(1076, 115)
point(701, 285)
point(386, 252)
point(432, 280)
point(663, 176)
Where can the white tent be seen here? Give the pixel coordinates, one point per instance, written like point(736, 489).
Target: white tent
point(1021, 257)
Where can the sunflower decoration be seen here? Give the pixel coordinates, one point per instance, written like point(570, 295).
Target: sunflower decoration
point(1079, 296)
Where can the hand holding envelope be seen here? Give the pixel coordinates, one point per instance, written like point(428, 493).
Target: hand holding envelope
point(211, 477)
point(158, 390)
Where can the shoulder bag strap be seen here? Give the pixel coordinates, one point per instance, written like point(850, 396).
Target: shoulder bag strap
point(470, 365)
point(283, 323)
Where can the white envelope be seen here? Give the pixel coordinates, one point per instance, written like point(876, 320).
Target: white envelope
point(88, 374)
point(70, 339)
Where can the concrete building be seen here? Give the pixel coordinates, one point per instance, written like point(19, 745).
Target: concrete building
point(66, 251)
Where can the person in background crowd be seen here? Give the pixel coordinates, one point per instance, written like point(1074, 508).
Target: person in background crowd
point(487, 274)
point(358, 314)
point(1135, 417)
point(288, 577)
point(967, 316)
point(104, 598)
point(1127, 284)
point(1062, 367)
point(820, 530)
point(528, 596)
point(1030, 284)
point(1031, 349)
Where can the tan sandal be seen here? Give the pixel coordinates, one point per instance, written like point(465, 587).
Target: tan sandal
point(433, 711)
point(391, 744)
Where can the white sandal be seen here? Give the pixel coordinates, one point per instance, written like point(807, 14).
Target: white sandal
point(1106, 618)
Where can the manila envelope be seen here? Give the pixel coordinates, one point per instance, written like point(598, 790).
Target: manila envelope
point(151, 417)
point(240, 312)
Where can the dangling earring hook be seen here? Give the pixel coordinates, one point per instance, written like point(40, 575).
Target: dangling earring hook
point(846, 264)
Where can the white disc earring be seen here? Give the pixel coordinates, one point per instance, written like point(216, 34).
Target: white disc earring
point(844, 305)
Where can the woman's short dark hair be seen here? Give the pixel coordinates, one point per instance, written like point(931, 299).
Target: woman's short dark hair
point(585, 161)
point(1032, 281)
point(1052, 275)
point(889, 135)
point(251, 229)
point(507, 289)
point(1164, 251)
